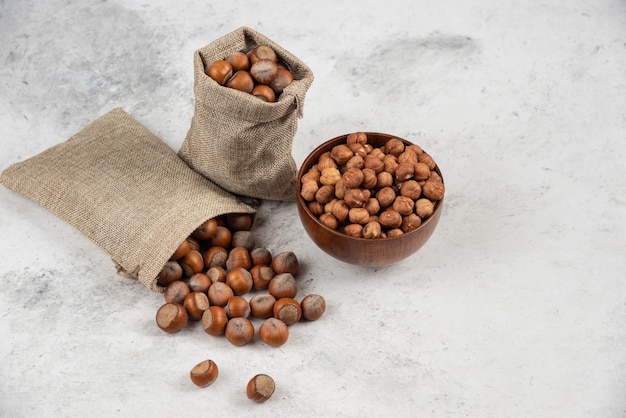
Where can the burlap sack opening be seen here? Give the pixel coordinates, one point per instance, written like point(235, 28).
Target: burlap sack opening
point(238, 141)
point(125, 189)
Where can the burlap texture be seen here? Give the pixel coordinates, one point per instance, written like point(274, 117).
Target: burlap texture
point(125, 189)
point(238, 141)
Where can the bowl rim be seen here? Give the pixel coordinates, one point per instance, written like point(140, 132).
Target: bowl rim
point(303, 204)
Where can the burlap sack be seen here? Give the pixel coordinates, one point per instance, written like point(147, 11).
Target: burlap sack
point(238, 141)
point(125, 189)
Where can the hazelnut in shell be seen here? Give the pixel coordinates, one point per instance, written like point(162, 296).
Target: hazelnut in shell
point(204, 373)
point(273, 332)
point(260, 388)
point(171, 317)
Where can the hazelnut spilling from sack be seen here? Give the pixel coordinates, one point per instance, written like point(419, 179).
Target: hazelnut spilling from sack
point(241, 139)
point(126, 190)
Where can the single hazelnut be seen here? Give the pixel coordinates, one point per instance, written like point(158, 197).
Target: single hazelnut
point(194, 244)
point(308, 190)
point(358, 149)
point(199, 282)
point(433, 190)
point(214, 321)
point(181, 251)
point(352, 178)
point(192, 263)
point(326, 161)
point(172, 317)
point(285, 262)
point(216, 274)
point(264, 93)
point(222, 238)
point(239, 221)
point(283, 285)
point(196, 303)
point(329, 221)
point(410, 222)
point(220, 293)
point(354, 198)
point(261, 256)
point(325, 194)
point(358, 216)
point(394, 146)
point(220, 71)
point(260, 388)
point(396, 232)
point(422, 172)
point(262, 52)
point(356, 161)
point(287, 310)
point(369, 178)
point(176, 292)
point(313, 306)
point(239, 279)
point(316, 208)
point(386, 196)
point(384, 179)
point(264, 71)
point(313, 174)
point(242, 81)
point(237, 306)
point(340, 210)
point(424, 208)
point(239, 331)
point(356, 137)
point(405, 171)
point(341, 154)
point(391, 164)
point(238, 257)
point(408, 156)
point(262, 305)
point(238, 60)
point(244, 239)
point(403, 205)
point(274, 332)
point(340, 189)
point(375, 163)
point(372, 230)
point(372, 206)
point(283, 78)
point(330, 176)
point(204, 373)
point(261, 276)
point(170, 272)
point(427, 159)
point(378, 153)
point(411, 189)
point(215, 257)
point(390, 219)
point(353, 230)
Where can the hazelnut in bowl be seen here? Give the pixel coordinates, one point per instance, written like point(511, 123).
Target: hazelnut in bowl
point(369, 199)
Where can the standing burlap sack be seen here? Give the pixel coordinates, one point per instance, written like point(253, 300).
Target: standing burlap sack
point(125, 189)
point(238, 141)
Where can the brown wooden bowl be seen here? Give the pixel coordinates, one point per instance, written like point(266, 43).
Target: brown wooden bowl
point(362, 251)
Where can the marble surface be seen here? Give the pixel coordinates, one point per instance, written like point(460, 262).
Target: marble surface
point(516, 307)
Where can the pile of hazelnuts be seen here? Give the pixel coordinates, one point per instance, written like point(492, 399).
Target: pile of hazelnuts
point(258, 72)
point(372, 192)
point(210, 274)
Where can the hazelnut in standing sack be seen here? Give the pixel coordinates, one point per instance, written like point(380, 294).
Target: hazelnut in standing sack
point(249, 93)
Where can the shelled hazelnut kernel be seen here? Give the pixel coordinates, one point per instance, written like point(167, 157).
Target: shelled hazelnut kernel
point(204, 373)
point(386, 180)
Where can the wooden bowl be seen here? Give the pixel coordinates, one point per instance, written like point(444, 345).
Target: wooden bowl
point(362, 251)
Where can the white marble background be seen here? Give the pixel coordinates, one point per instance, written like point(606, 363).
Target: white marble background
point(515, 308)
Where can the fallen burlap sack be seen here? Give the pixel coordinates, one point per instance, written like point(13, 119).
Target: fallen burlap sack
point(238, 141)
point(125, 189)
